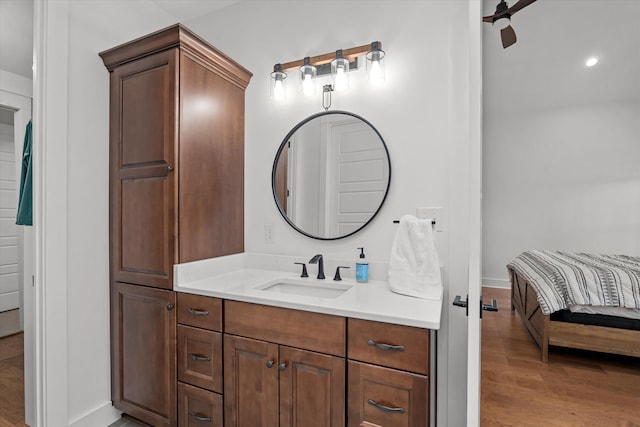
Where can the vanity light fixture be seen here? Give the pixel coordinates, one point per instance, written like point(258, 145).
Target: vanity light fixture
point(308, 74)
point(278, 89)
point(375, 64)
point(340, 71)
point(338, 63)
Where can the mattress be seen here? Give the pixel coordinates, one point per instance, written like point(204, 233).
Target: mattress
point(627, 313)
point(596, 320)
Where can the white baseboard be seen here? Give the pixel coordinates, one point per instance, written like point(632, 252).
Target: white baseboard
point(489, 282)
point(9, 301)
point(103, 415)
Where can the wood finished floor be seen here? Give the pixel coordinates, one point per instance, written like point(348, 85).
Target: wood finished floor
point(12, 381)
point(575, 388)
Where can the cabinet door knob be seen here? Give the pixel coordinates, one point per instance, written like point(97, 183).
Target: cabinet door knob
point(385, 408)
point(170, 307)
point(383, 346)
point(169, 168)
point(282, 366)
point(199, 417)
point(269, 364)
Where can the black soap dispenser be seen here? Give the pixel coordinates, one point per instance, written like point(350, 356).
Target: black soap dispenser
point(362, 268)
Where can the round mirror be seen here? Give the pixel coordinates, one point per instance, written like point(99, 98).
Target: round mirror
point(331, 175)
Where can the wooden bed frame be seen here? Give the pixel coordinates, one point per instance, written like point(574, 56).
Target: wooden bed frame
point(548, 332)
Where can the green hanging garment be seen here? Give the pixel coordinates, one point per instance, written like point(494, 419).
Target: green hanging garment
point(25, 202)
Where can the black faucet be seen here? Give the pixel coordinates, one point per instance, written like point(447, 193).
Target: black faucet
point(318, 260)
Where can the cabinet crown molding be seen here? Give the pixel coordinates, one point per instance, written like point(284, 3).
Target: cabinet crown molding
point(181, 37)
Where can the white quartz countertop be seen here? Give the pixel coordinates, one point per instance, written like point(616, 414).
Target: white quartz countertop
point(237, 279)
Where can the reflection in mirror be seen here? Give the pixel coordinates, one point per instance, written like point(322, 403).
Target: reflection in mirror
point(331, 175)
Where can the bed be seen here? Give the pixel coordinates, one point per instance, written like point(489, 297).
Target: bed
point(549, 289)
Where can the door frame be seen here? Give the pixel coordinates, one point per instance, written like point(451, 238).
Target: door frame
point(50, 105)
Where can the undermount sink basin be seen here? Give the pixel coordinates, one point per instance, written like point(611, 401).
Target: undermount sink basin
point(308, 288)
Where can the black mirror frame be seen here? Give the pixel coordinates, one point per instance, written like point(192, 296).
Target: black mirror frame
point(279, 152)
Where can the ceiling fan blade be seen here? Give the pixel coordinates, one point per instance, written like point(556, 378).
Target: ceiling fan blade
point(520, 5)
point(508, 36)
point(488, 19)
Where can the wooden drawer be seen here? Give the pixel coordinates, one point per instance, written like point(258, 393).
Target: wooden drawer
point(396, 346)
point(200, 357)
point(198, 408)
point(386, 397)
point(200, 311)
point(302, 329)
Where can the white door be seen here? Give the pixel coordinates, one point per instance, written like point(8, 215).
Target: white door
point(358, 179)
point(475, 213)
point(460, 387)
point(9, 182)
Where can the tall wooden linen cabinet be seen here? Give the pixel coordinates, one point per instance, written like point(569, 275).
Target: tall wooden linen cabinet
point(176, 171)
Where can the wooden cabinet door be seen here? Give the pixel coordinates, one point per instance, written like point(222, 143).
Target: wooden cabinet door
point(311, 389)
point(143, 328)
point(386, 397)
point(198, 407)
point(250, 383)
point(142, 158)
point(211, 162)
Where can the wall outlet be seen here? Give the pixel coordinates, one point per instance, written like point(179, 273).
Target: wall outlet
point(269, 237)
point(436, 213)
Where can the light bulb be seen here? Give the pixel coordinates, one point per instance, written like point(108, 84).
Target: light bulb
point(591, 61)
point(376, 77)
point(342, 82)
point(375, 66)
point(278, 90)
point(308, 88)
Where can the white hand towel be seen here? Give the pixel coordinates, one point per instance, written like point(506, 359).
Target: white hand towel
point(414, 267)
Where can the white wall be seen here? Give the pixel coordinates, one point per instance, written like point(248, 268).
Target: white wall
point(420, 112)
point(88, 28)
point(563, 179)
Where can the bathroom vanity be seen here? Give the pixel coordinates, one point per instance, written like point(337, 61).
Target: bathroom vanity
point(356, 355)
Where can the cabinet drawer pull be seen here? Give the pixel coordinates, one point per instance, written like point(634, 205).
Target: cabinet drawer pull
point(269, 364)
point(385, 408)
point(170, 307)
point(383, 346)
point(199, 358)
point(282, 366)
point(199, 417)
point(198, 312)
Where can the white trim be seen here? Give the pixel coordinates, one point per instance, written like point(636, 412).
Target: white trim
point(103, 415)
point(10, 301)
point(489, 282)
point(51, 26)
point(16, 84)
point(475, 212)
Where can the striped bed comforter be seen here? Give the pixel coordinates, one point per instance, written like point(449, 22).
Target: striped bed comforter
point(562, 279)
